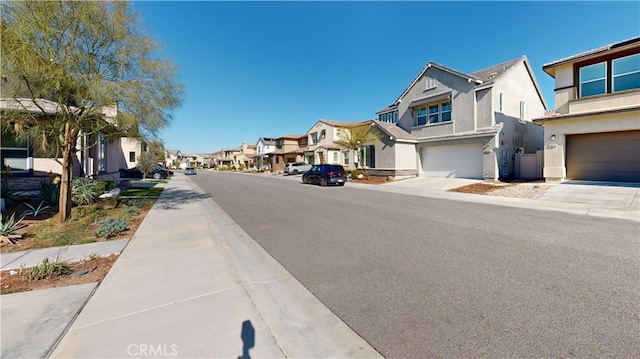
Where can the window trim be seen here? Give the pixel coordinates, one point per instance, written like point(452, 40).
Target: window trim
point(613, 75)
point(580, 82)
point(523, 112)
point(438, 114)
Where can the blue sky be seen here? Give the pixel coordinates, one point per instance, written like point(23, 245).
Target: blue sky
point(268, 69)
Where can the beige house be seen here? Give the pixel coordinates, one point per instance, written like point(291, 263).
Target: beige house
point(239, 157)
point(97, 155)
point(594, 132)
point(288, 148)
point(322, 148)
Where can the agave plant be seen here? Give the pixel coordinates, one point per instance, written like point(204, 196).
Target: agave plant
point(9, 228)
point(34, 211)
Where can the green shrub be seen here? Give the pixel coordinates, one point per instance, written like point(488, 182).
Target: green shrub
point(130, 211)
point(110, 227)
point(83, 191)
point(105, 186)
point(356, 173)
point(48, 269)
point(49, 193)
point(8, 193)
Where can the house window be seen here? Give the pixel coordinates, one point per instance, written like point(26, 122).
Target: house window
point(391, 117)
point(346, 158)
point(335, 157)
point(626, 73)
point(593, 79)
point(279, 144)
point(132, 156)
point(446, 111)
point(314, 138)
point(323, 134)
point(421, 120)
point(367, 157)
point(522, 111)
point(501, 102)
point(434, 113)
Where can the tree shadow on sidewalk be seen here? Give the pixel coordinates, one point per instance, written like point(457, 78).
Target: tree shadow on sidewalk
point(175, 198)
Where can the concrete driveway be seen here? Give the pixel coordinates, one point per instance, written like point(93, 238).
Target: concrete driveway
point(606, 194)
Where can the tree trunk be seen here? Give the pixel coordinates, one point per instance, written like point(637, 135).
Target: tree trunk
point(68, 151)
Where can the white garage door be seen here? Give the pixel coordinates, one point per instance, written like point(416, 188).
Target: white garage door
point(460, 161)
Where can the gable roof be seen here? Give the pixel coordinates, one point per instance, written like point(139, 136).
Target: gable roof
point(267, 140)
point(484, 78)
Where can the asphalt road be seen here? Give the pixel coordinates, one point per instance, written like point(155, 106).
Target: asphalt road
point(422, 278)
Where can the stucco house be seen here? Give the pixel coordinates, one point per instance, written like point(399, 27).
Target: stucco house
point(322, 148)
point(265, 147)
point(594, 132)
point(105, 158)
point(242, 156)
point(467, 125)
point(289, 148)
point(172, 158)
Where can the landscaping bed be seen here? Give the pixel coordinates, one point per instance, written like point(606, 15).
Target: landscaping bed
point(102, 220)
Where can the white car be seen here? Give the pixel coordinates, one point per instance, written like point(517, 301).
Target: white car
point(189, 171)
point(293, 168)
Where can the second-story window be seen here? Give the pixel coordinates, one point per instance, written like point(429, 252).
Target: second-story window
point(279, 144)
point(434, 113)
point(626, 73)
point(593, 79)
point(314, 138)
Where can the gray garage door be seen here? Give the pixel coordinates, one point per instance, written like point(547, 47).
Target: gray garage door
point(608, 156)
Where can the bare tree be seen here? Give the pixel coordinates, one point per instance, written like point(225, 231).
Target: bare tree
point(355, 135)
point(81, 70)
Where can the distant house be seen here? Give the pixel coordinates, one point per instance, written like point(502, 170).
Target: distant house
point(265, 148)
point(466, 125)
point(594, 132)
point(322, 148)
point(289, 148)
point(172, 158)
point(106, 157)
point(236, 158)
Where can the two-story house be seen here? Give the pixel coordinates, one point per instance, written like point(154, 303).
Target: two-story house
point(322, 149)
point(239, 157)
point(265, 147)
point(594, 132)
point(469, 125)
point(172, 158)
point(289, 148)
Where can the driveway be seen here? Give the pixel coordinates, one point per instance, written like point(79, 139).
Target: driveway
point(606, 194)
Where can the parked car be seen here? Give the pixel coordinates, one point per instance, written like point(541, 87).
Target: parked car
point(157, 173)
point(325, 174)
point(293, 168)
point(189, 171)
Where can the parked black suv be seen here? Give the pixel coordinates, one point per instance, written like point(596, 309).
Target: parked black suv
point(325, 174)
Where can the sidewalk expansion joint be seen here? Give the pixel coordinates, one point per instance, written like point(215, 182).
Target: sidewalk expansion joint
point(160, 306)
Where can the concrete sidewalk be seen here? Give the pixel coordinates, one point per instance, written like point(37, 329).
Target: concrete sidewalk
point(191, 283)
